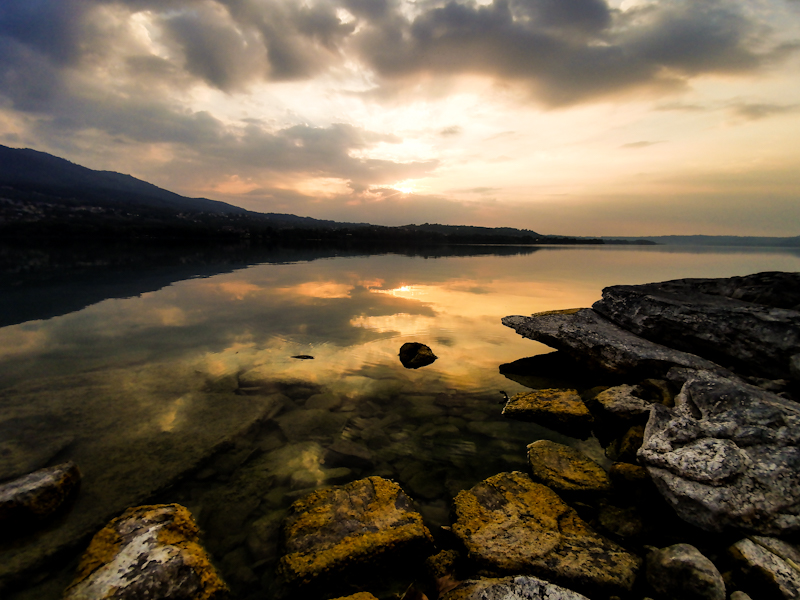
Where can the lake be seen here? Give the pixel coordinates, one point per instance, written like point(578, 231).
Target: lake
point(175, 380)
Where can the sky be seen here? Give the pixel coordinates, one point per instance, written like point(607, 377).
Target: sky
point(570, 117)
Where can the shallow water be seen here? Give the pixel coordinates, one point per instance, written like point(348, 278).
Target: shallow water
point(186, 390)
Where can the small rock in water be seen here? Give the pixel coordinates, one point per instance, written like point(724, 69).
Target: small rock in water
point(304, 357)
point(414, 355)
point(33, 498)
point(164, 537)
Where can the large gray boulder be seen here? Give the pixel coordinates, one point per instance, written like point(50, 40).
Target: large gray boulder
point(147, 552)
point(510, 525)
point(519, 587)
point(591, 338)
point(727, 457)
point(758, 339)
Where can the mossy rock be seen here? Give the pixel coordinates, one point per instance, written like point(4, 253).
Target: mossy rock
point(511, 525)
point(565, 469)
point(349, 533)
point(561, 410)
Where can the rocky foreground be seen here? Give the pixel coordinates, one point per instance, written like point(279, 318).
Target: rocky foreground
point(692, 390)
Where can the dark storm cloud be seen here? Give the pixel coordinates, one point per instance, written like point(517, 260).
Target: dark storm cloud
point(572, 50)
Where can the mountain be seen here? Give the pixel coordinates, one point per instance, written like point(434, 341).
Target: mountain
point(35, 171)
point(46, 197)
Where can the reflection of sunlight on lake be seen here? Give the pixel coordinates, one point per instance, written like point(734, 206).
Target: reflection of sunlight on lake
point(327, 289)
point(404, 291)
point(402, 323)
point(167, 421)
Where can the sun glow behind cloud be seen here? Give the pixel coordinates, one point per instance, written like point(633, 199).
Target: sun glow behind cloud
point(323, 108)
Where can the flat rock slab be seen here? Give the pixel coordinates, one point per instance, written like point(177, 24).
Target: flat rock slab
point(511, 525)
point(769, 565)
point(727, 457)
point(757, 339)
point(593, 339)
point(565, 469)
point(520, 587)
point(335, 532)
point(33, 498)
point(562, 410)
point(147, 552)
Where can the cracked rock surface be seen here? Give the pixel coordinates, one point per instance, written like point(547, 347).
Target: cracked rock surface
point(727, 457)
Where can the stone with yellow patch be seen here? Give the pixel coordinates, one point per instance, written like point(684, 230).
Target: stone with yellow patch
point(562, 410)
point(147, 552)
point(361, 529)
point(565, 469)
point(511, 525)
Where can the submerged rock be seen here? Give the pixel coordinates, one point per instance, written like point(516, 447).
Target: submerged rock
point(681, 571)
point(565, 469)
point(727, 456)
point(414, 355)
point(562, 410)
point(769, 566)
point(147, 552)
point(509, 524)
point(366, 527)
point(33, 498)
point(759, 339)
point(519, 587)
point(590, 337)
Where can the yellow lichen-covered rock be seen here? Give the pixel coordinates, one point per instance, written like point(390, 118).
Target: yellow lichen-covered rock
point(562, 410)
point(147, 552)
point(341, 530)
point(565, 469)
point(38, 495)
point(511, 525)
point(358, 596)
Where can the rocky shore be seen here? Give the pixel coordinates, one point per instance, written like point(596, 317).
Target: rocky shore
point(690, 386)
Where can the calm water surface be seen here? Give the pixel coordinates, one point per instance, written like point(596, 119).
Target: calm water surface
point(190, 393)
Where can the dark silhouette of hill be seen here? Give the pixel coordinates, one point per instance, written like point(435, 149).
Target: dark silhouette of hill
point(46, 197)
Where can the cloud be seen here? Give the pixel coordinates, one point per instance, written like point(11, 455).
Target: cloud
point(757, 111)
point(569, 52)
point(452, 130)
point(642, 144)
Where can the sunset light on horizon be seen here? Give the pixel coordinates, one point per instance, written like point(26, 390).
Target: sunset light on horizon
point(571, 117)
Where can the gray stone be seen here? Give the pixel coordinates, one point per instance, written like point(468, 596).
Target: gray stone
point(727, 457)
point(511, 525)
point(519, 587)
point(147, 552)
point(758, 339)
point(740, 596)
point(681, 571)
point(589, 337)
point(769, 565)
point(30, 499)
